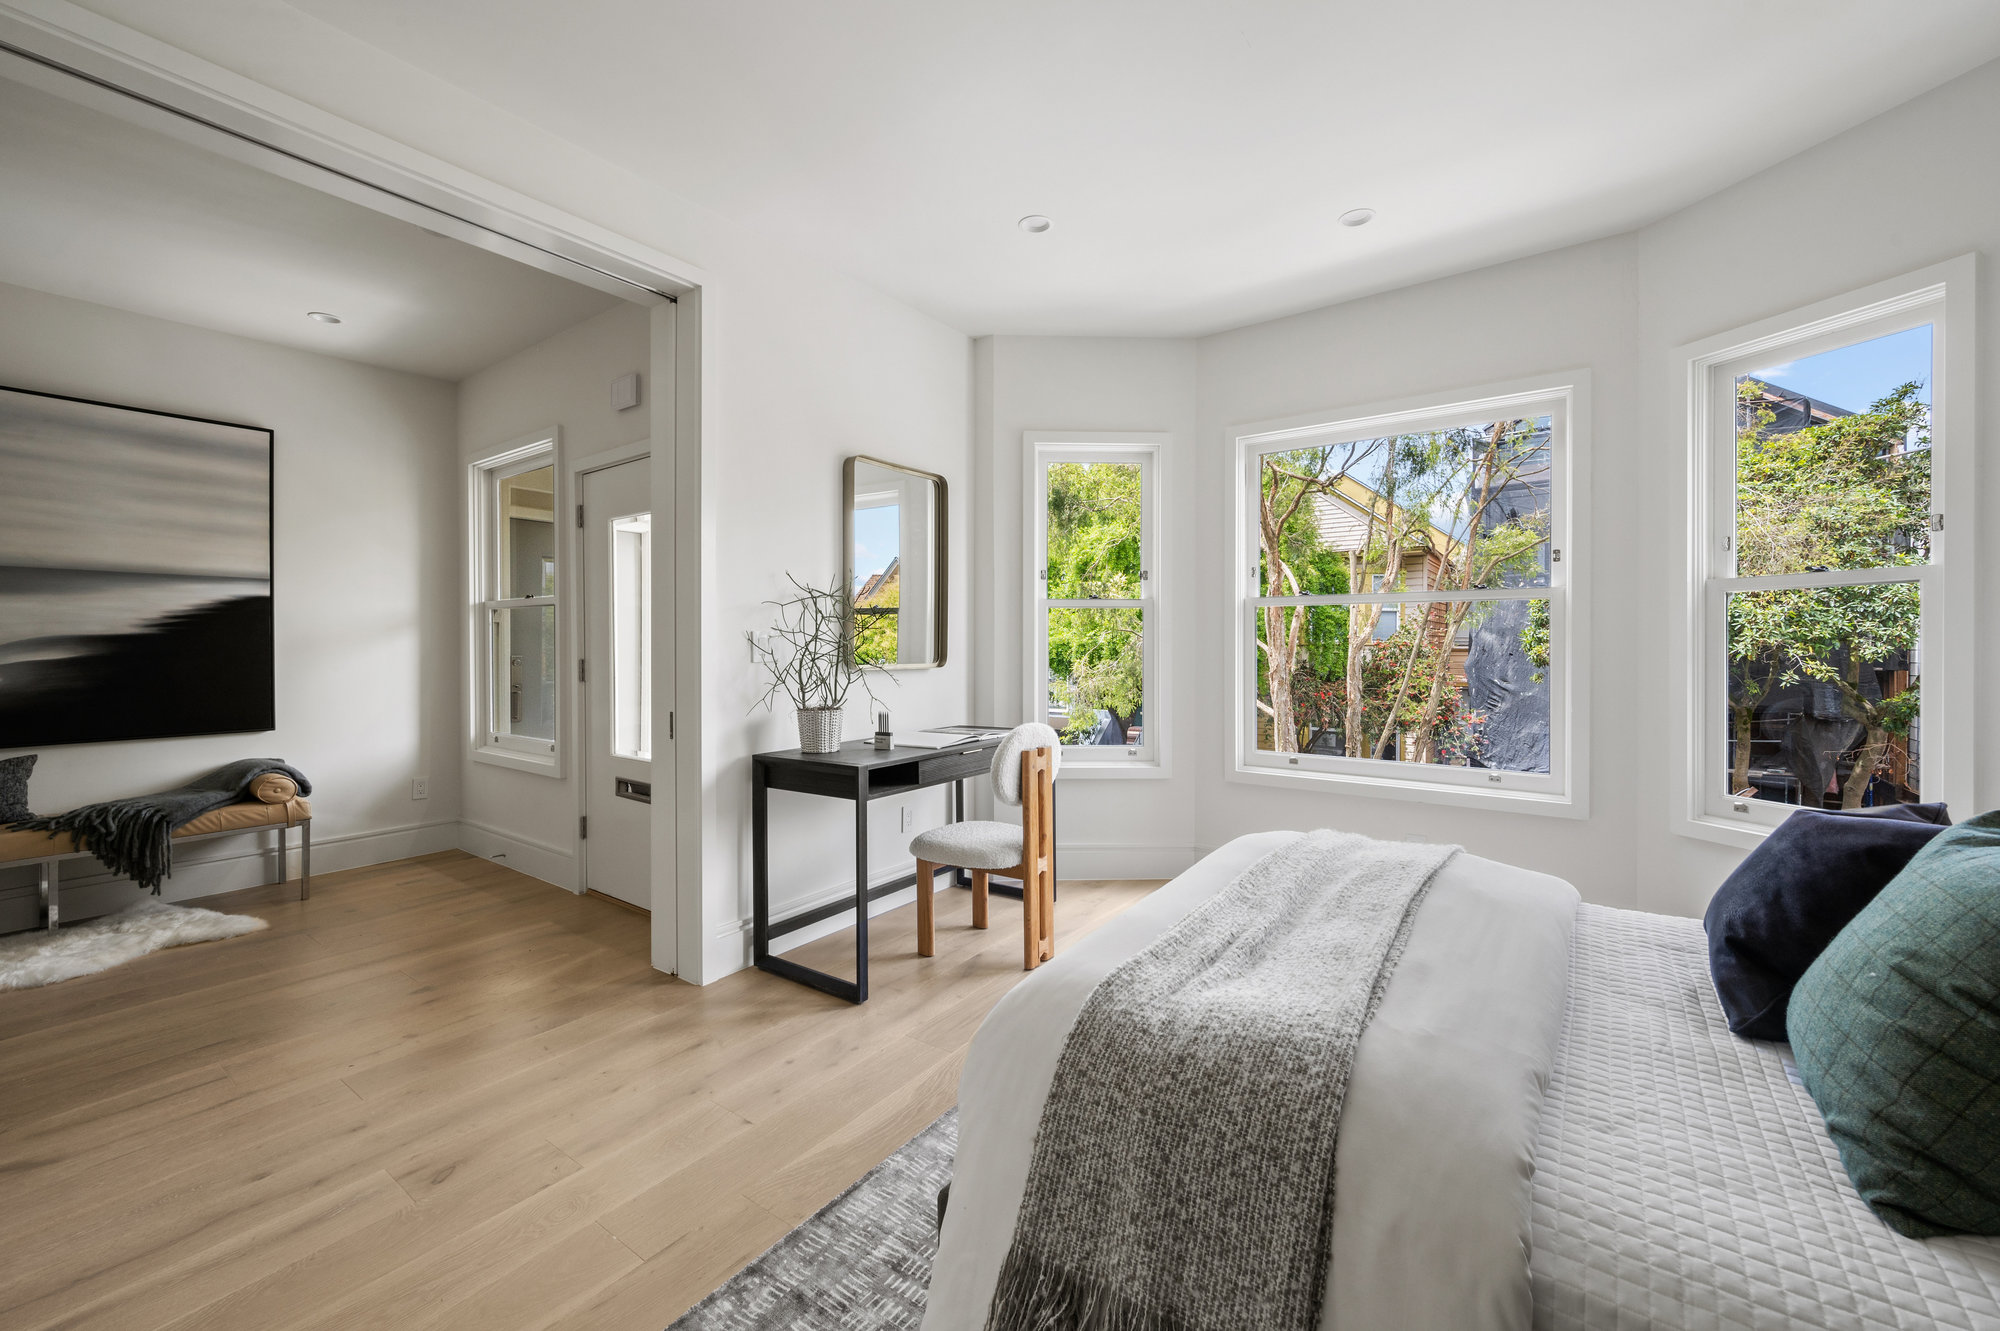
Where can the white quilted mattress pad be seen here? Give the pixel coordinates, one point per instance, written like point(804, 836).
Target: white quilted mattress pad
point(1684, 1179)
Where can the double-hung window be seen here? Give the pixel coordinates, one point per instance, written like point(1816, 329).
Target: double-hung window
point(1405, 621)
point(1094, 598)
point(1828, 616)
point(516, 649)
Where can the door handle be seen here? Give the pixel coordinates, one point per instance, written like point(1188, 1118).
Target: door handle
point(628, 789)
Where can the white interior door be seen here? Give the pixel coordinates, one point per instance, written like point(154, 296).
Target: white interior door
point(618, 680)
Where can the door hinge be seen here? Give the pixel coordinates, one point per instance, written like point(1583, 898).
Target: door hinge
point(583, 827)
point(579, 516)
point(582, 673)
point(1937, 522)
point(670, 725)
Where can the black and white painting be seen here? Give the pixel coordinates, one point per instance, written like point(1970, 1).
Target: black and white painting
point(135, 574)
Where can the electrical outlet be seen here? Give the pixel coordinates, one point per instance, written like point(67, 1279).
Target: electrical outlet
point(420, 789)
point(909, 817)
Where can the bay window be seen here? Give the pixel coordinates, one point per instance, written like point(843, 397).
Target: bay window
point(1094, 599)
point(1828, 609)
point(1404, 613)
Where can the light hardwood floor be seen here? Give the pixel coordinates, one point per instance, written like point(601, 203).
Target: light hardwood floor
point(443, 1094)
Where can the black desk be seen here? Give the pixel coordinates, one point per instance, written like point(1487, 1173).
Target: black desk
point(860, 772)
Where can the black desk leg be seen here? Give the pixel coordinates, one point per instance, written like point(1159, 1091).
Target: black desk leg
point(861, 885)
point(760, 862)
point(959, 877)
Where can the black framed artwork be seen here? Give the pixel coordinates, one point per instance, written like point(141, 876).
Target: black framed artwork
point(135, 573)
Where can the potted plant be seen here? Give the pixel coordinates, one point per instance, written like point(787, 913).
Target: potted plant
point(810, 660)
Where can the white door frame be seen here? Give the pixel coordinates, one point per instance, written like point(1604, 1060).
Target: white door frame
point(47, 42)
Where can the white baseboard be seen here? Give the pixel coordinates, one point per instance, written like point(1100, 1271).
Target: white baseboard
point(1114, 860)
point(226, 864)
point(732, 942)
point(537, 859)
point(733, 939)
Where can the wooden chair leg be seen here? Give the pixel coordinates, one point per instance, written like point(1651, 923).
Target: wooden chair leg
point(1031, 928)
point(979, 898)
point(926, 887)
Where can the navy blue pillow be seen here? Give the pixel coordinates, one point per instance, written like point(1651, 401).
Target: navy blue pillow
point(1772, 918)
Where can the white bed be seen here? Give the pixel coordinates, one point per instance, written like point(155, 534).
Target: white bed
point(1548, 1125)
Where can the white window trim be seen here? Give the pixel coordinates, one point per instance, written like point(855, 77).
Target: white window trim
point(1150, 760)
point(483, 473)
point(1943, 296)
point(1564, 791)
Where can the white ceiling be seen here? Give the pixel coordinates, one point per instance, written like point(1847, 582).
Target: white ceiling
point(1193, 153)
point(101, 210)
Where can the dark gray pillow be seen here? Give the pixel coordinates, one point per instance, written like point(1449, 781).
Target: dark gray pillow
point(14, 788)
point(1896, 1032)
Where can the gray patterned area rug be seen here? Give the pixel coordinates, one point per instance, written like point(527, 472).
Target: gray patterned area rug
point(861, 1263)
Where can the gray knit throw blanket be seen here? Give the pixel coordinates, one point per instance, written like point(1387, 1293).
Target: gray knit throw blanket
point(134, 837)
point(1182, 1177)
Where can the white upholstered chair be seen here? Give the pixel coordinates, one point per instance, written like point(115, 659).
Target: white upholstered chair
point(1024, 774)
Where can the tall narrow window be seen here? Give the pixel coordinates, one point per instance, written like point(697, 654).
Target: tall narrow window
point(1095, 595)
point(1821, 593)
point(1405, 605)
point(515, 634)
point(632, 637)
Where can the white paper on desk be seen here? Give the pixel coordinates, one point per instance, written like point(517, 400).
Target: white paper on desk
point(933, 739)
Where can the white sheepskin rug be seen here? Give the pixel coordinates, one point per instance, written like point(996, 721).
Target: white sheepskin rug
point(30, 960)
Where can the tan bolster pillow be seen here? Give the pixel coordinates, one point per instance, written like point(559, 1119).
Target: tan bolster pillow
point(274, 788)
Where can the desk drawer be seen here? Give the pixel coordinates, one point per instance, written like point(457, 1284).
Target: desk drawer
point(954, 766)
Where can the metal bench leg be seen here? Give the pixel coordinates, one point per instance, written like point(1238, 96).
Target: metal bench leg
point(51, 894)
point(284, 856)
point(305, 859)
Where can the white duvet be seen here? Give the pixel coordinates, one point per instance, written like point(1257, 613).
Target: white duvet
point(1432, 1204)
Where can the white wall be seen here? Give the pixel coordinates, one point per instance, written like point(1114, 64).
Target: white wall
point(366, 640)
point(565, 382)
point(1910, 188)
point(1123, 825)
point(1537, 317)
point(806, 369)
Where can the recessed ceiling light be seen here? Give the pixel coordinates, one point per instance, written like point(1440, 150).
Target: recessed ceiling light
point(322, 316)
point(1035, 224)
point(1357, 217)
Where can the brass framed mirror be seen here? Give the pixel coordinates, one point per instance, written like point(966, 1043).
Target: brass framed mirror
point(898, 590)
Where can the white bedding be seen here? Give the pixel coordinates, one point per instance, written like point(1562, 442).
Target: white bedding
point(1685, 1179)
point(1432, 1205)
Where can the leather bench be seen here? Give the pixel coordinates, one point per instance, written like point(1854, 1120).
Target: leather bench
point(250, 815)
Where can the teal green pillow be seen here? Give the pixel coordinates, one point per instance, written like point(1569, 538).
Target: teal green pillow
point(1896, 1033)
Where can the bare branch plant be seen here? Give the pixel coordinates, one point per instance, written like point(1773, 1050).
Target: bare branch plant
point(807, 653)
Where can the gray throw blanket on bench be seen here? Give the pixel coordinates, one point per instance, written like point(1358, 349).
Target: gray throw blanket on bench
point(1182, 1177)
point(134, 837)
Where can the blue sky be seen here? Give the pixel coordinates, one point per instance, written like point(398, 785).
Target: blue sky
point(877, 538)
point(1857, 376)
